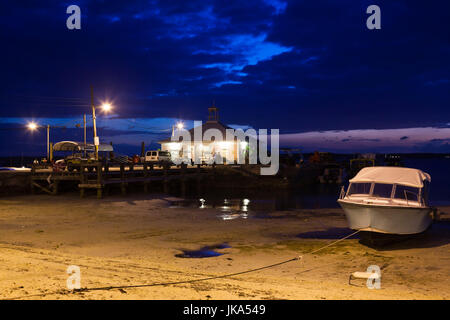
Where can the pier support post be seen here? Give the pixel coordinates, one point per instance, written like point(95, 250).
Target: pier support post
point(55, 187)
point(183, 180)
point(82, 181)
point(99, 180)
point(198, 179)
point(122, 178)
point(165, 182)
point(33, 170)
point(145, 178)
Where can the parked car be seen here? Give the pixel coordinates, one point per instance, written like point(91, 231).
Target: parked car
point(74, 161)
point(158, 157)
point(81, 154)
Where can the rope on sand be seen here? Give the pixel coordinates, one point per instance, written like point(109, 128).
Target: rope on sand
point(185, 281)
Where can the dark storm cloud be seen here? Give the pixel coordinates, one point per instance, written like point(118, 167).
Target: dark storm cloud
point(294, 65)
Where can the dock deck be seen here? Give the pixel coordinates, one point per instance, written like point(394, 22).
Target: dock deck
point(97, 176)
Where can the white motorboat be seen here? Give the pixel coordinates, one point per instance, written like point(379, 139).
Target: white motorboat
point(390, 200)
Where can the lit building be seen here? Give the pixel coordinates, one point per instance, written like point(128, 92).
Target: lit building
point(209, 146)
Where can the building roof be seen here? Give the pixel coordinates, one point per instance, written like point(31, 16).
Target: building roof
point(398, 175)
point(205, 126)
point(79, 146)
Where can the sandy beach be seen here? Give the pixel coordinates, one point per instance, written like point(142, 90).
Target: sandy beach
point(134, 240)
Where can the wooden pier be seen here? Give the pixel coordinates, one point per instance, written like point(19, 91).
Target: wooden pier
point(99, 177)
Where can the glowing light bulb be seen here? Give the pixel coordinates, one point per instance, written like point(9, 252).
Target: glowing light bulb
point(32, 126)
point(106, 107)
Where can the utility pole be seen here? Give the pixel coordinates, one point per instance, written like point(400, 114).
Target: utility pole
point(48, 143)
point(96, 140)
point(84, 127)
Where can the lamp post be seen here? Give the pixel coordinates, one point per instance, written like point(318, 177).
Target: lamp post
point(106, 107)
point(34, 126)
point(84, 133)
point(48, 142)
point(179, 125)
point(96, 140)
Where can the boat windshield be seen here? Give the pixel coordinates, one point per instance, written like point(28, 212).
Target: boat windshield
point(382, 190)
point(396, 193)
point(359, 188)
point(407, 193)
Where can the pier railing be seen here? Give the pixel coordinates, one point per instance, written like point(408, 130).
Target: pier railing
point(96, 175)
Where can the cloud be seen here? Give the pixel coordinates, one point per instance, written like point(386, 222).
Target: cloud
point(278, 5)
point(402, 140)
point(245, 50)
point(295, 65)
point(128, 133)
point(226, 82)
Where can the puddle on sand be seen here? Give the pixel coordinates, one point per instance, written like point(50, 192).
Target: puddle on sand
point(205, 252)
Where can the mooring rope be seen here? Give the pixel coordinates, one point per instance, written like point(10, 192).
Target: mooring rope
point(184, 281)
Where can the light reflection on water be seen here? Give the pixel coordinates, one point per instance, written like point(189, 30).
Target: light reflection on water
point(311, 197)
point(244, 204)
point(230, 209)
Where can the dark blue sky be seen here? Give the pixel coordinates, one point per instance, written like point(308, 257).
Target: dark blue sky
point(300, 66)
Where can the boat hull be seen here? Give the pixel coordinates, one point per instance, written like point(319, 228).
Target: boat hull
point(386, 219)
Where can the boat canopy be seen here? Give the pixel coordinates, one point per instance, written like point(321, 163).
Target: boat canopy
point(398, 175)
point(79, 146)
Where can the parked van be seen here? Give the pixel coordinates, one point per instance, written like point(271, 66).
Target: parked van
point(158, 157)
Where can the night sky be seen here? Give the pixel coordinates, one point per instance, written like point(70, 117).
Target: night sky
point(309, 68)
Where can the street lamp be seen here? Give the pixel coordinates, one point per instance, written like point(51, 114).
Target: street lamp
point(179, 125)
point(105, 107)
point(33, 126)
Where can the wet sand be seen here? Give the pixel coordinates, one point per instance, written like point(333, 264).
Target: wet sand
point(142, 240)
